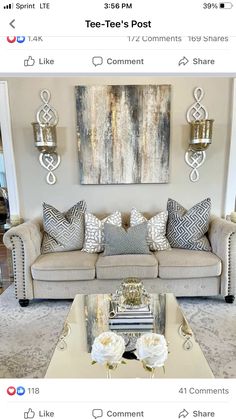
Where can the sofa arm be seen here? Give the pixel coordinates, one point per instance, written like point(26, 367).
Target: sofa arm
point(24, 241)
point(222, 235)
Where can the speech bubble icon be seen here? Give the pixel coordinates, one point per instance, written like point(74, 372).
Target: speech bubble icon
point(97, 61)
point(97, 413)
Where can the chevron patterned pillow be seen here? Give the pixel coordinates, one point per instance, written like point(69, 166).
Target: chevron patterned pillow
point(63, 231)
point(186, 229)
point(94, 231)
point(156, 228)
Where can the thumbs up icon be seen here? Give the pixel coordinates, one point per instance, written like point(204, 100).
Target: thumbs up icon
point(29, 62)
point(29, 415)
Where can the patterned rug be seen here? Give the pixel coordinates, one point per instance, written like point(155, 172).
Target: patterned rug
point(213, 322)
point(28, 336)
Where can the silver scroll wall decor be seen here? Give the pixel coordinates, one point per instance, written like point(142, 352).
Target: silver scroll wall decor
point(45, 136)
point(201, 134)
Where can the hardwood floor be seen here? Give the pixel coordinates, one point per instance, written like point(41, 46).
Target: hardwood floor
point(5, 279)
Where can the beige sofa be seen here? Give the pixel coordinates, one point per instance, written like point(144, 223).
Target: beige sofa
point(64, 274)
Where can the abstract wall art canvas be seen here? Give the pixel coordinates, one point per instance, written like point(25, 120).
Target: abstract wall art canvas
point(123, 134)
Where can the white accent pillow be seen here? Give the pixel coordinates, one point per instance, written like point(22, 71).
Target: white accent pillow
point(156, 227)
point(94, 241)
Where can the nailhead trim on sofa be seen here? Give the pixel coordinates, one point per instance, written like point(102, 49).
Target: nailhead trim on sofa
point(15, 266)
point(230, 291)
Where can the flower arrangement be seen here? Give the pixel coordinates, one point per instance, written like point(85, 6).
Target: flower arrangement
point(152, 350)
point(108, 349)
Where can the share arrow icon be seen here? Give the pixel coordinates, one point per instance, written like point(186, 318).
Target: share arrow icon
point(183, 414)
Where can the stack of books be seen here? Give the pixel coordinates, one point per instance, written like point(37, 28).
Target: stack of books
point(140, 319)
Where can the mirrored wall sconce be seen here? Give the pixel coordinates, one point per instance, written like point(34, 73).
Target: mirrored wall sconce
point(200, 134)
point(45, 137)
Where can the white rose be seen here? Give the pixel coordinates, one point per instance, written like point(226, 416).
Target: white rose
point(152, 349)
point(108, 348)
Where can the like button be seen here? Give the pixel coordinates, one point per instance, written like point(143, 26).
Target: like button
point(30, 414)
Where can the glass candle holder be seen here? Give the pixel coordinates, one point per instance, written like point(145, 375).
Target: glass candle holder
point(132, 291)
point(201, 134)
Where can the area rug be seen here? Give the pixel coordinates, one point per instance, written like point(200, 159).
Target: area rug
point(213, 322)
point(28, 336)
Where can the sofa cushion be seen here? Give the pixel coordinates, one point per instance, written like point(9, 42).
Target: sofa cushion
point(182, 263)
point(119, 241)
point(187, 229)
point(64, 266)
point(123, 266)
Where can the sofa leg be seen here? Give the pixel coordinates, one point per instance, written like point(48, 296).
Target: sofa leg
point(229, 299)
point(24, 303)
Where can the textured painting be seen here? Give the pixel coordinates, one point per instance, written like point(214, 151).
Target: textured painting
point(123, 134)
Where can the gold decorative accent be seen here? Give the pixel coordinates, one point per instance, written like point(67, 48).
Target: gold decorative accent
point(186, 328)
point(45, 137)
point(186, 333)
point(132, 290)
point(201, 134)
point(62, 345)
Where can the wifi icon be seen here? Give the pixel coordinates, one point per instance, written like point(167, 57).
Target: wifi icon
point(8, 6)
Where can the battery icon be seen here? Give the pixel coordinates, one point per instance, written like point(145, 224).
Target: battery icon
point(226, 5)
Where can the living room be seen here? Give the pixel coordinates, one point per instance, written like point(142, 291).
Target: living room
point(36, 329)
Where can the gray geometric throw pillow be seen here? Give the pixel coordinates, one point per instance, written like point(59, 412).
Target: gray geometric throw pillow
point(156, 227)
point(187, 228)
point(119, 241)
point(63, 231)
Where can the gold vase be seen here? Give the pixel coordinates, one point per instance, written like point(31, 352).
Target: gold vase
point(132, 291)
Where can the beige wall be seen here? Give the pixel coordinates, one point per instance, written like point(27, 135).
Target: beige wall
point(24, 100)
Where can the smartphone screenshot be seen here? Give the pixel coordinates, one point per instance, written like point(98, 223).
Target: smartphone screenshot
point(117, 209)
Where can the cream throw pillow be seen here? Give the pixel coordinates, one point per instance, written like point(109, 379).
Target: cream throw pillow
point(156, 227)
point(94, 241)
